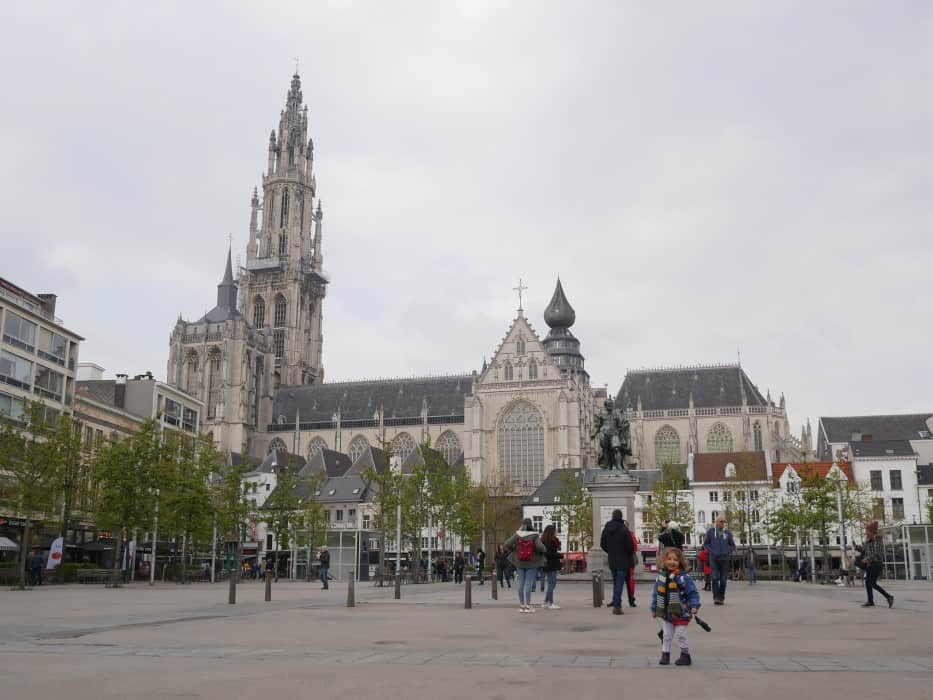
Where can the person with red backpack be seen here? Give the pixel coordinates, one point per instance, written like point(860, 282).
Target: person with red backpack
point(526, 554)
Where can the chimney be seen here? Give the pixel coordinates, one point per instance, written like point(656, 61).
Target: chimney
point(119, 391)
point(48, 303)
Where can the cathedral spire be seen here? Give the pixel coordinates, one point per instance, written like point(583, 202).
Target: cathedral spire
point(559, 313)
point(227, 289)
point(560, 342)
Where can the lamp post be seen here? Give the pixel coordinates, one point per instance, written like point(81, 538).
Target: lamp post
point(155, 540)
point(842, 524)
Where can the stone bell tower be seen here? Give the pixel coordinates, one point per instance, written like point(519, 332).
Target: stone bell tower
point(282, 285)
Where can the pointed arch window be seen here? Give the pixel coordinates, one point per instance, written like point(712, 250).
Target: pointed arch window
point(317, 444)
point(358, 446)
point(283, 245)
point(259, 312)
point(191, 380)
point(214, 383)
point(719, 438)
point(666, 446)
point(276, 446)
point(520, 346)
point(532, 370)
point(448, 444)
point(521, 445)
point(756, 432)
point(281, 311)
point(509, 372)
point(283, 214)
point(402, 446)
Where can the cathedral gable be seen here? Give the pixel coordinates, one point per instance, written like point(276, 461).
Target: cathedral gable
point(521, 356)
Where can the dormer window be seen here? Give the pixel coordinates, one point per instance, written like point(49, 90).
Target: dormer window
point(556, 499)
point(730, 470)
point(535, 499)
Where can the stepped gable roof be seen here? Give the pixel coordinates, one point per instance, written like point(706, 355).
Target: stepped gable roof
point(400, 398)
point(904, 426)
point(99, 390)
point(330, 463)
point(882, 448)
point(552, 486)
point(711, 466)
point(805, 468)
point(925, 476)
point(371, 457)
point(711, 386)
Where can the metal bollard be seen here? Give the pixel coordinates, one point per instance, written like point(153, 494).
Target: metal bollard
point(495, 588)
point(468, 592)
point(268, 586)
point(231, 597)
point(597, 590)
point(351, 594)
point(398, 586)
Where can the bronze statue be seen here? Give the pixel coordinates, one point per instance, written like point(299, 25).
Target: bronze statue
point(612, 432)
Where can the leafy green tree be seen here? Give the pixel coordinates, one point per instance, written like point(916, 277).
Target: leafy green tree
point(503, 507)
point(231, 506)
point(669, 500)
point(745, 498)
point(783, 526)
point(386, 485)
point(70, 467)
point(283, 507)
point(27, 465)
point(576, 507)
point(129, 471)
point(465, 521)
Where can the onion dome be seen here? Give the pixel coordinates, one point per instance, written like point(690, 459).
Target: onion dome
point(559, 313)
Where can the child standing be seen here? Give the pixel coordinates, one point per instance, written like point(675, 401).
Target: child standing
point(675, 600)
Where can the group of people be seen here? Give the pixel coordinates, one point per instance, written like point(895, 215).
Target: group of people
point(531, 554)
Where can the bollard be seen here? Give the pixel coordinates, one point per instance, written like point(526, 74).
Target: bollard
point(231, 598)
point(597, 590)
point(495, 588)
point(468, 592)
point(398, 586)
point(351, 596)
point(268, 586)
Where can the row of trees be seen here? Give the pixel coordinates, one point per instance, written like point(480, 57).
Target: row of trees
point(48, 475)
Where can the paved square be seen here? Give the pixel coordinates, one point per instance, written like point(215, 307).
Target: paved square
point(774, 640)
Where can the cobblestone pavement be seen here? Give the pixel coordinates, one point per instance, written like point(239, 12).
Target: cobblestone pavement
point(186, 641)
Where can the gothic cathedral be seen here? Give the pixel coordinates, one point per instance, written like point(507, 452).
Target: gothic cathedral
point(266, 329)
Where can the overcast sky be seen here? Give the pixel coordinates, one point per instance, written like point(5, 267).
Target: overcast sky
point(706, 178)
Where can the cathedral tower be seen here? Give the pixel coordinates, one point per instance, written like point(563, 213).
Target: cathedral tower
point(282, 286)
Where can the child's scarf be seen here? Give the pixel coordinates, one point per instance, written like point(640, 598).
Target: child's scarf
point(668, 595)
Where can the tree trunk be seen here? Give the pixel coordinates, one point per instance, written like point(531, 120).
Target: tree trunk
point(117, 573)
point(23, 554)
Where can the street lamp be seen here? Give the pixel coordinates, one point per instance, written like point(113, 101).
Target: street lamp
point(155, 539)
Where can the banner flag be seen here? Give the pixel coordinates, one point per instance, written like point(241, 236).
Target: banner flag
point(55, 553)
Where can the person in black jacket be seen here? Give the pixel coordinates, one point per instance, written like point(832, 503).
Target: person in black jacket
point(616, 541)
point(325, 566)
point(503, 567)
point(552, 559)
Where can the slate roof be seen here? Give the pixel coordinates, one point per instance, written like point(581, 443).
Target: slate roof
point(99, 390)
point(906, 426)
point(280, 458)
point(882, 448)
point(330, 463)
point(711, 466)
point(400, 398)
point(237, 459)
point(712, 387)
point(226, 298)
point(803, 469)
point(551, 487)
point(343, 488)
point(646, 478)
point(371, 457)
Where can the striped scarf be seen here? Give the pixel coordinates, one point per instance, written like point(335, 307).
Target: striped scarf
point(668, 606)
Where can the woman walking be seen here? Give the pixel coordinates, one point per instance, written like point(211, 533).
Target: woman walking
point(502, 566)
point(552, 557)
point(526, 554)
point(872, 558)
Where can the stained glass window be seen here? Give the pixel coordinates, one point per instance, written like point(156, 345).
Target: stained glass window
point(259, 312)
point(532, 370)
point(756, 430)
point(281, 311)
point(214, 389)
point(403, 446)
point(317, 444)
point(719, 438)
point(509, 372)
point(449, 445)
point(277, 445)
point(358, 446)
point(666, 446)
point(521, 445)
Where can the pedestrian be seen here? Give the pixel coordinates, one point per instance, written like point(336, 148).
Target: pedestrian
point(670, 535)
point(458, 567)
point(35, 568)
point(526, 554)
point(631, 572)
point(872, 557)
point(552, 557)
point(720, 544)
point(324, 558)
point(675, 600)
point(480, 563)
point(703, 558)
point(616, 541)
point(751, 567)
point(503, 568)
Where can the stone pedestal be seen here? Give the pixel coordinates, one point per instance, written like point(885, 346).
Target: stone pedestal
point(609, 490)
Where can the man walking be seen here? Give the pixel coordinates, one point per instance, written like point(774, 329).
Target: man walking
point(325, 566)
point(719, 544)
point(616, 541)
point(480, 563)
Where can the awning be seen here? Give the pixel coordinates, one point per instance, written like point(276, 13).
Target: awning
point(8, 545)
